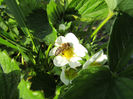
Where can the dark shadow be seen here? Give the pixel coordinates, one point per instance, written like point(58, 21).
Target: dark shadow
point(45, 82)
point(38, 23)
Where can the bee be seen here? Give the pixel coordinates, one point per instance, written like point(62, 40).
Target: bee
point(63, 47)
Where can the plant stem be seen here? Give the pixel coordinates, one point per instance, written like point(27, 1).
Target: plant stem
point(101, 25)
point(30, 35)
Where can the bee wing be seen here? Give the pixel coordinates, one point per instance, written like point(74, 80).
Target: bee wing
point(58, 51)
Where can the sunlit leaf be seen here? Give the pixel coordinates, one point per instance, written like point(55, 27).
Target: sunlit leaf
point(9, 77)
point(5, 42)
point(26, 93)
point(8, 65)
point(112, 4)
point(89, 10)
point(54, 12)
point(83, 10)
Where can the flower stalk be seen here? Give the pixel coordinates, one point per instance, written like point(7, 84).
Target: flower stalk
point(110, 15)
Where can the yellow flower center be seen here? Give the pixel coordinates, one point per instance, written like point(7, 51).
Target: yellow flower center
point(68, 53)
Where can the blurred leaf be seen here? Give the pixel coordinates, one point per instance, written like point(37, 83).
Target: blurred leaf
point(126, 6)
point(45, 82)
point(9, 77)
point(18, 14)
point(92, 83)
point(122, 89)
point(83, 10)
point(5, 42)
point(127, 72)
point(112, 4)
point(9, 41)
point(120, 45)
point(8, 65)
point(98, 83)
point(28, 6)
point(9, 83)
point(3, 24)
point(123, 5)
point(26, 93)
point(89, 10)
point(55, 12)
point(37, 22)
point(1, 1)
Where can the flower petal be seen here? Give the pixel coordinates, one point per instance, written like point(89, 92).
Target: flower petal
point(102, 59)
point(52, 51)
point(60, 40)
point(99, 57)
point(63, 78)
point(80, 50)
point(74, 62)
point(60, 61)
point(70, 37)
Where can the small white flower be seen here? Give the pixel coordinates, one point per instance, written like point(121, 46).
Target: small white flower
point(67, 75)
point(68, 50)
point(98, 58)
point(63, 77)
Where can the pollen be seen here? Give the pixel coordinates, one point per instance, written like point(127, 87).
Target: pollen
point(68, 53)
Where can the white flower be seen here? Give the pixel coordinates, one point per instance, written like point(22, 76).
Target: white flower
point(63, 77)
point(67, 75)
point(68, 50)
point(99, 59)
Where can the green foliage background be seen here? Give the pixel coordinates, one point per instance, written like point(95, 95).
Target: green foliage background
point(28, 29)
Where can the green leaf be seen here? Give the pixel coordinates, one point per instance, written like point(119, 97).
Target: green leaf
point(17, 13)
point(26, 93)
point(98, 83)
point(55, 12)
point(9, 83)
point(90, 84)
point(126, 6)
point(3, 24)
point(123, 5)
point(5, 42)
point(9, 77)
point(112, 4)
point(89, 10)
point(45, 82)
point(38, 23)
point(127, 72)
point(20, 18)
point(8, 65)
point(28, 6)
point(122, 88)
point(1, 1)
point(9, 41)
point(83, 10)
point(120, 45)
